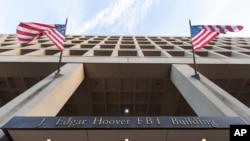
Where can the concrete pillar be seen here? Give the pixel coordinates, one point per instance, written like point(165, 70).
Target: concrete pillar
point(238, 107)
point(200, 98)
point(205, 97)
point(47, 97)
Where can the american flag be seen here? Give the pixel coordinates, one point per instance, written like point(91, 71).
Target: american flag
point(203, 34)
point(27, 32)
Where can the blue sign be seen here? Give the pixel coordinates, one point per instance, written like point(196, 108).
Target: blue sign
point(136, 122)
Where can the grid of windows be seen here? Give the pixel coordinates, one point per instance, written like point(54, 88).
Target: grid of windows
point(137, 46)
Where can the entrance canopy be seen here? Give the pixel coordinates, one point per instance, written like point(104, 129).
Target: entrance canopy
point(120, 128)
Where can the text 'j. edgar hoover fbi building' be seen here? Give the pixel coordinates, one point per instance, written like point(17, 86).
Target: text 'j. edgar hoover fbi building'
point(123, 88)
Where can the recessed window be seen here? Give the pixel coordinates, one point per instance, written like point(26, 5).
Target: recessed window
point(77, 52)
point(202, 53)
point(68, 45)
point(87, 46)
point(127, 42)
point(127, 53)
point(225, 53)
point(111, 42)
point(127, 46)
point(94, 42)
point(102, 52)
point(26, 51)
point(107, 46)
point(176, 53)
point(167, 47)
point(147, 46)
point(51, 52)
point(77, 41)
point(152, 53)
point(143, 42)
point(186, 47)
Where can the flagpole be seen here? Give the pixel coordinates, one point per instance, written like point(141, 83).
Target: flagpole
point(196, 75)
point(60, 60)
point(61, 52)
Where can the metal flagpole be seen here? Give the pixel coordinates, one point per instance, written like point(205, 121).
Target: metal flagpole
point(60, 58)
point(196, 75)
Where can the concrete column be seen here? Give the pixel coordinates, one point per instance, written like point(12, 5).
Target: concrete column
point(238, 107)
point(47, 97)
point(200, 98)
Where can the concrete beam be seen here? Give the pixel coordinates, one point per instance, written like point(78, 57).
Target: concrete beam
point(238, 107)
point(52, 98)
point(200, 98)
point(47, 97)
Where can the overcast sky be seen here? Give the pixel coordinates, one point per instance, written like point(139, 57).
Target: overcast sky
point(126, 17)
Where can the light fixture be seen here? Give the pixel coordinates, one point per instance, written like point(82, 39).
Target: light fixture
point(48, 139)
point(126, 139)
point(203, 139)
point(126, 111)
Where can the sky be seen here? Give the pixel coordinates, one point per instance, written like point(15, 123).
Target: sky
point(127, 17)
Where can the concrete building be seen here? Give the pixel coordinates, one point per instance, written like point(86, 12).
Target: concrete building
point(146, 79)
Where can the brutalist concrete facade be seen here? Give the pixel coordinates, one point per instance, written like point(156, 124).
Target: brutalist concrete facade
point(104, 75)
